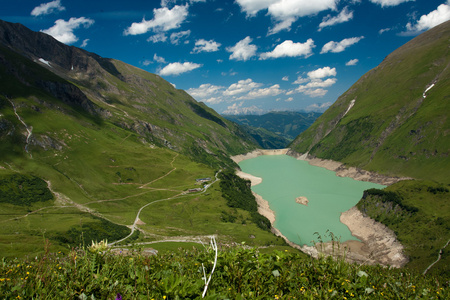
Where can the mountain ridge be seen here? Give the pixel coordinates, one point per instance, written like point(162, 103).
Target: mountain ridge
point(124, 95)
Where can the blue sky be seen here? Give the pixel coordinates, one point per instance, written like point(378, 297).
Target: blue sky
point(240, 56)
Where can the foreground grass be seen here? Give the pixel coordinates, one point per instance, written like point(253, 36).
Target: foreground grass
point(241, 273)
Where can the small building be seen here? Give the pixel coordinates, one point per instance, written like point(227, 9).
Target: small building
point(203, 179)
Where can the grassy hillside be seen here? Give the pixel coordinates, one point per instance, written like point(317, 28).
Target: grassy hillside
point(105, 148)
point(419, 214)
point(240, 273)
point(384, 123)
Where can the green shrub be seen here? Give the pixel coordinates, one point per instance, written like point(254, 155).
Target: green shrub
point(23, 190)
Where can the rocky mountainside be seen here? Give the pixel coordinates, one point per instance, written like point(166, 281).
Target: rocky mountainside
point(395, 119)
point(35, 66)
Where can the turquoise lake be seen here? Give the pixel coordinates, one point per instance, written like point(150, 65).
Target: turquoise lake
point(286, 178)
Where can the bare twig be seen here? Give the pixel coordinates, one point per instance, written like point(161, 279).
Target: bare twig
point(214, 247)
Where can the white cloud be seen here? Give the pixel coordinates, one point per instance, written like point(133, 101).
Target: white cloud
point(242, 90)
point(343, 16)
point(47, 8)
point(147, 62)
point(206, 90)
point(300, 80)
point(84, 44)
point(285, 78)
point(384, 3)
point(177, 37)
point(315, 84)
point(352, 62)
point(160, 37)
point(205, 46)
point(164, 19)
point(242, 86)
point(381, 31)
point(315, 93)
point(237, 109)
point(285, 12)
point(336, 47)
point(63, 30)
point(290, 49)
point(178, 68)
point(282, 25)
point(159, 59)
point(274, 90)
point(290, 99)
point(243, 50)
point(434, 18)
point(322, 73)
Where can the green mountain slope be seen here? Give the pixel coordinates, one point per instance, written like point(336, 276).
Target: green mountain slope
point(109, 141)
point(394, 120)
point(121, 94)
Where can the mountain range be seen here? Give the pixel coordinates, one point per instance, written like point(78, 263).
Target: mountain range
point(275, 129)
point(93, 147)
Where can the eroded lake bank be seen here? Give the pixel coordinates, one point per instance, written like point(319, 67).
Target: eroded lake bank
point(377, 244)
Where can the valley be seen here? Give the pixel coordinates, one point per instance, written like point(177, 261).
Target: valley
point(94, 149)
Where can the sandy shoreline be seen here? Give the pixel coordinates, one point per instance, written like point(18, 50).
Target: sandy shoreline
point(378, 244)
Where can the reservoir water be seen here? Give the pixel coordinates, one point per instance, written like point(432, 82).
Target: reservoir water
point(286, 178)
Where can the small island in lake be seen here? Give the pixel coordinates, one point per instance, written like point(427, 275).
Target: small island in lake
point(302, 200)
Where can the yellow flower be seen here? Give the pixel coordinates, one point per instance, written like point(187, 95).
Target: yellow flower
point(164, 297)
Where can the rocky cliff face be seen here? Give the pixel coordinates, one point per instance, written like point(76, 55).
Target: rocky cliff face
point(394, 120)
point(109, 90)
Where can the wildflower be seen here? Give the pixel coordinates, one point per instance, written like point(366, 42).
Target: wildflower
point(164, 297)
point(118, 296)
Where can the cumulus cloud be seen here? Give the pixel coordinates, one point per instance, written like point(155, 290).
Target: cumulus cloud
point(381, 31)
point(238, 109)
point(434, 18)
point(63, 30)
point(47, 8)
point(322, 73)
point(243, 50)
point(178, 68)
point(242, 86)
point(290, 49)
point(84, 44)
point(336, 47)
point(164, 19)
point(205, 46)
point(384, 3)
point(273, 90)
point(352, 62)
point(285, 12)
point(205, 91)
point(242, 90)
point(344, 16)
point(177, 37)
point(160, 37)
point(315, 83)
point(159, 59)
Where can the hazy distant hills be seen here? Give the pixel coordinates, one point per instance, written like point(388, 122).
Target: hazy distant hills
point(394, 119)
point(275, 129)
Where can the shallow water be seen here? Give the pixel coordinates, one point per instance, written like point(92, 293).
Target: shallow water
point(286, 178)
